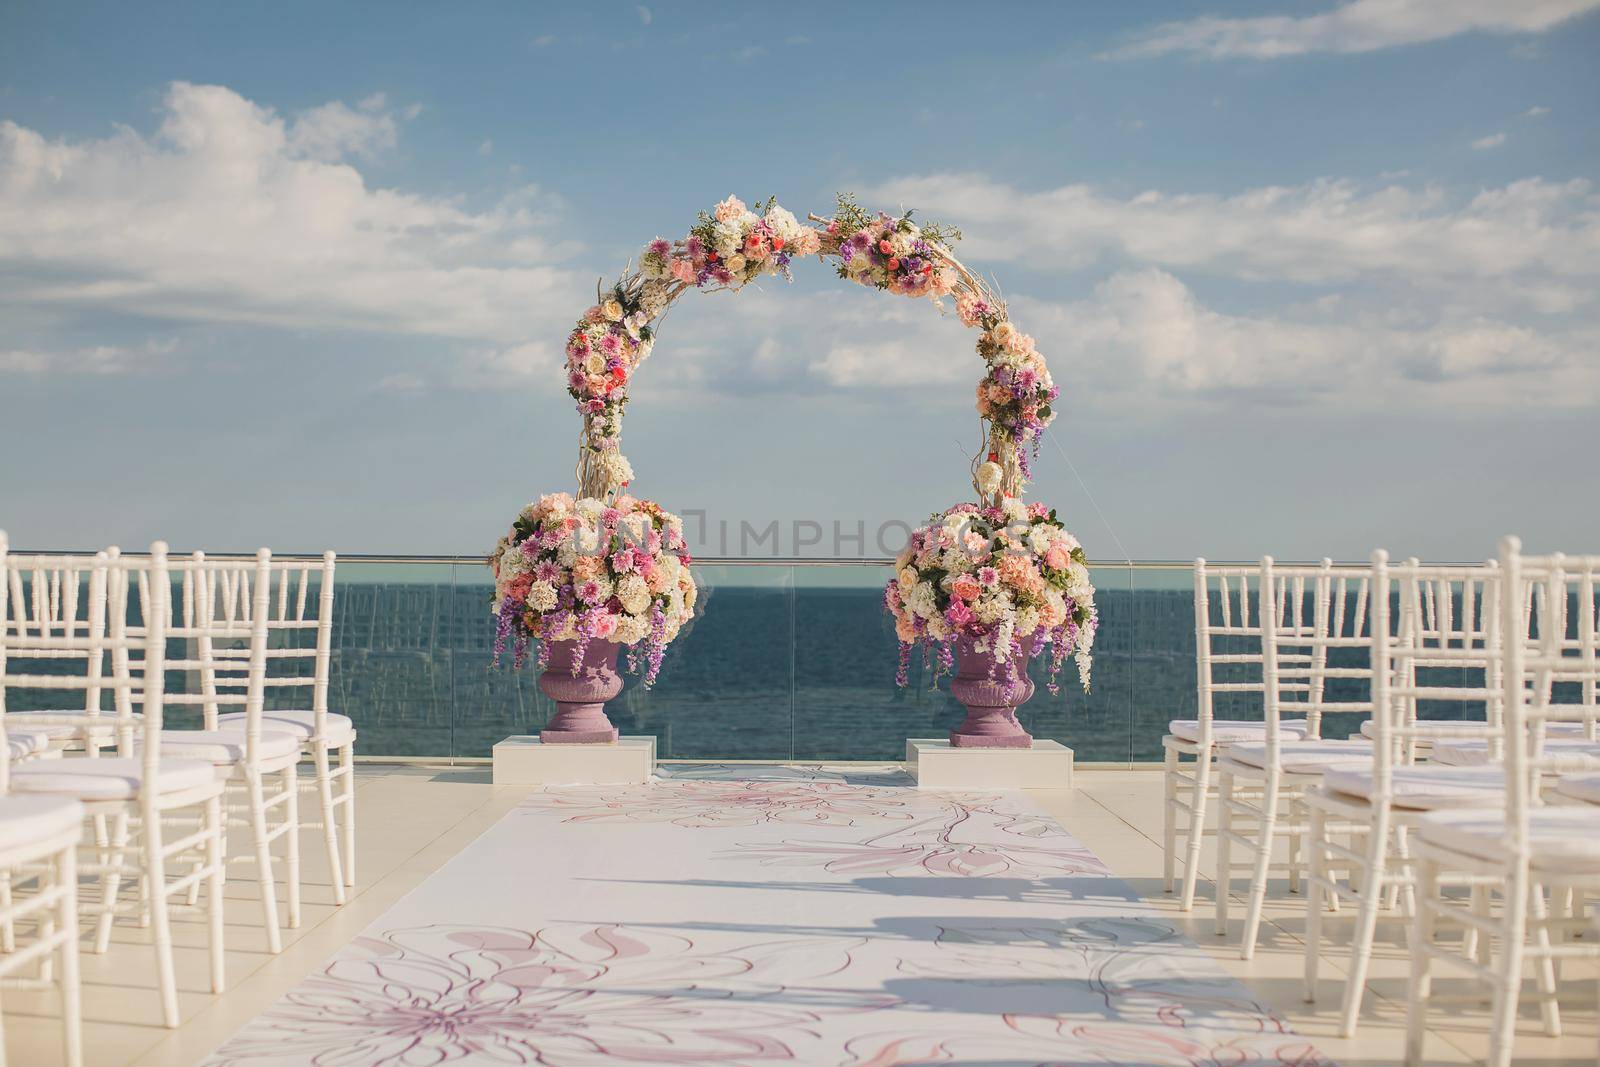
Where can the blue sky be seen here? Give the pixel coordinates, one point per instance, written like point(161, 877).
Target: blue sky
point(1314, 277)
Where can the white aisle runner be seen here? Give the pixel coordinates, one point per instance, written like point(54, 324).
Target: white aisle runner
point(735, 916)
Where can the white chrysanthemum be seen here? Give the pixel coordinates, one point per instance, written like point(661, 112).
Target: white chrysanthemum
point(634, 594)
point(567, 552)
point(542, 596)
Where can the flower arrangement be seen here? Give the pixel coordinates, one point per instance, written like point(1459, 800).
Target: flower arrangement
point(588, 569)
point(1004, 576)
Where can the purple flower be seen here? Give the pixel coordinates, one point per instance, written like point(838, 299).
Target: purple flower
point(660, 247)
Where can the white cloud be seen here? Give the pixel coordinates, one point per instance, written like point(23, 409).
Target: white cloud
point(645, 17)
point(233, 213)
point(1355, 26)
point(749, 53)
point(486, 147)
point(544, 40)
point(1325, 231)
point(1145, 334)
point(1493, 140)
point(1535, 112)
point(334, 131)
point(89, 360)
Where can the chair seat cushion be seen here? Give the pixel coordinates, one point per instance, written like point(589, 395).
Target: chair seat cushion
point(1584, 787)
point(20, 744)
point(25, 820)
point(1562, 838)
point(108, 778)
point(1424, 787)
point(226, 747)
point(1564, 753)
point(1469, 729)
point(1229, 731)
point(1307, 757)
point(300, 723)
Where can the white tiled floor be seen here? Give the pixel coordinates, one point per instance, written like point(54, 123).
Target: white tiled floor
point(414, 818)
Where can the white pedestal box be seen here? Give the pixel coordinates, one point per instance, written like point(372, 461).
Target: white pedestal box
point(936, 764)
point(525, 761)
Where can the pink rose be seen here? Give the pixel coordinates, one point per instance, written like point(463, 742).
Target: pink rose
point(958, 614)
point(966, 587)
point(605, 624)
point(1057, 559)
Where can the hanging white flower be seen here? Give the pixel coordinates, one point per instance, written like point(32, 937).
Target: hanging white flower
point(989, 477)
point(616, 469)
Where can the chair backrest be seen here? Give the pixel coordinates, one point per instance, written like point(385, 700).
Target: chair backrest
point(50, 601)
point(1563, 627)
point(104, 631)
point(1432, 617)
point(212, 605)
point(294, 601)
point(1316, 609)
point(1227, 646)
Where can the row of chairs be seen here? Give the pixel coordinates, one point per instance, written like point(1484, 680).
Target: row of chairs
point(108, 810)
point(1465, 796)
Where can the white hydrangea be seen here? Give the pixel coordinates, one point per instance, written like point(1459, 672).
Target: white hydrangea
point(989, 477)
point(1027, 621)
point(992, 606)
point(634, 594)
point(923, 601)
point(631, 629)
point(567, 552)
point(542, 597)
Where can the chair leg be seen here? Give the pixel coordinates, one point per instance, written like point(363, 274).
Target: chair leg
point(1197, 826)
point(291, 848)
point(1169, 822)
point(1544, 965)
point(216, 859)
point(111, 881)
point(8, 929)
point(1314, 902)
point(263, 854)
point(1421, 986)
point(330, 831)
point(155, 865)
point(71, 987)
point(347, 761)
point(1373, 894)
point(1263, 864)
point(1224, 849)
point(1508, 982)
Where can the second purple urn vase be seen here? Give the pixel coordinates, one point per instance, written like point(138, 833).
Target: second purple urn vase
point(580, 695)
point(992, 692)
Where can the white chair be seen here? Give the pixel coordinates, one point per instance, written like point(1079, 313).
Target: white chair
point(39, 839)
point(218, 601)
point(1277, 770)
point(144, 790)
point(293, 667)
point(1518, 849)
point(1377, 804)
point(1227, 661)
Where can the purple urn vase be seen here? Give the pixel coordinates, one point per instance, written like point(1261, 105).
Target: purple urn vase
point(581, 695)
point(992, 693)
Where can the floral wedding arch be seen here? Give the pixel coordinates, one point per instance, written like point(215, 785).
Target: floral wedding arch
point(606, 566)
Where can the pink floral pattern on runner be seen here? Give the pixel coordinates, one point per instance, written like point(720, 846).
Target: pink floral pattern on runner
point(561, 996)
point(930, 928)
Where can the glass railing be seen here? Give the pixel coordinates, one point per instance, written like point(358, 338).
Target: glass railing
point(785, 660)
